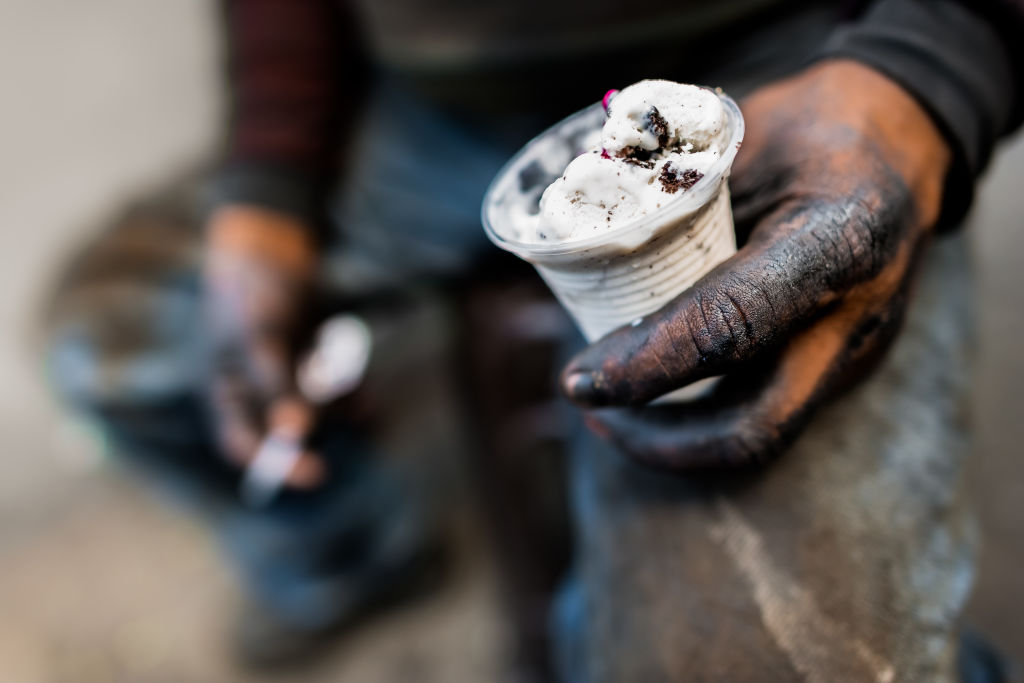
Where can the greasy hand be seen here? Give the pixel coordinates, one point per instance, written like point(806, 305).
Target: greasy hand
point(258, 278)
point(835, 191)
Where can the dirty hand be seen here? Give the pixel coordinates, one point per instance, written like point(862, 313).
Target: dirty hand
point(257, 284)
point(835, 191)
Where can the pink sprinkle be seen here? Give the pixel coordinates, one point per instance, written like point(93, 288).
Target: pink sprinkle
point(604, 154)
point(607, 99)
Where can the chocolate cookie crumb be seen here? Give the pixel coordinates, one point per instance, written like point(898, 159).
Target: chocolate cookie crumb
point(642, 163)
point(657, 124)
point(674, 181)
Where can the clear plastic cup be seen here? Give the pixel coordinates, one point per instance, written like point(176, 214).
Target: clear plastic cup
point(614, 278)
point(610, 279)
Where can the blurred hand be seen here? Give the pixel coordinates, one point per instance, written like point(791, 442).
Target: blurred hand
point(258, 281)
point(836, 189)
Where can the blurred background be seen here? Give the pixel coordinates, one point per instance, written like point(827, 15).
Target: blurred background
point(99, 582)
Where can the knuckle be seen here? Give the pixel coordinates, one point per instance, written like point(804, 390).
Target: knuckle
point(720, 337)
point(730, 322)
point(847, 239)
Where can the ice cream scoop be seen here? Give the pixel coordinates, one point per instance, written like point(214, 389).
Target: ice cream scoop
point(658, 140)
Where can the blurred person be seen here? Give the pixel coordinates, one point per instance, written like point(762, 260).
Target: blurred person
point(362, 138)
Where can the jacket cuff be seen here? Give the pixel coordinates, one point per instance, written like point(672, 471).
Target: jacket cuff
point(270, 187)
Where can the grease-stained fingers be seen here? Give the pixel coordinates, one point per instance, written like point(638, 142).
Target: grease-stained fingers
point(712, 432)
point(751, 417)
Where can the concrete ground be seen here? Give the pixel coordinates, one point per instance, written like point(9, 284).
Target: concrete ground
point(99, 583)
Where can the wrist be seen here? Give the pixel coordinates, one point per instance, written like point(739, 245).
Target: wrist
point(250, 233)
point(906, 134)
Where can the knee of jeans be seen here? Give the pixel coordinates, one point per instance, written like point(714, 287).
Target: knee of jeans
point(126, 348)
point(119, 327)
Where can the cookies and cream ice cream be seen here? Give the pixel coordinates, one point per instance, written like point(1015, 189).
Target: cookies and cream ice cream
point(625, 204)
point(658, 140)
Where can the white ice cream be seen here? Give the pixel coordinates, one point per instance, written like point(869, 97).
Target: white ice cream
point(694, 116)
point(659, 138)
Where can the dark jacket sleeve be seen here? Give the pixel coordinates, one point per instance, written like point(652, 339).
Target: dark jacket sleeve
point(288, 65)
point(963, 62)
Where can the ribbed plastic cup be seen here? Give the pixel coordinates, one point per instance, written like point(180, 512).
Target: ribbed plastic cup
point(610, 279)
point(614, 278)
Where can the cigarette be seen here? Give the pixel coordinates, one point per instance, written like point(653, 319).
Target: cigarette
point(267, 472)
point(335, 367)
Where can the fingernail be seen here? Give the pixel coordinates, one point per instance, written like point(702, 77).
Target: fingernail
point(580, 386)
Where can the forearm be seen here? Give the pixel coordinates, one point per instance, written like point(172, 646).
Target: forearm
point(960, 60)
point(291, 64)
